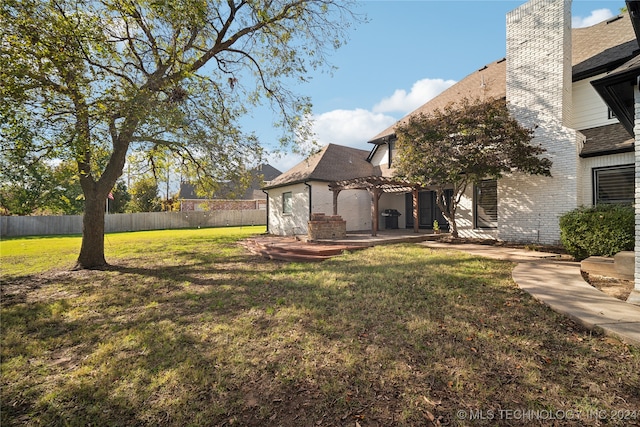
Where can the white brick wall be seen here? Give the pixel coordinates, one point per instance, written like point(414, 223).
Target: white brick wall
point(289, 224)
point(635, 295)
point(539, 57)
point(353, 205)
point(539, 94)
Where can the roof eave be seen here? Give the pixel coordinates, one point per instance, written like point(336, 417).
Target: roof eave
point(383, 139)
point(607, 152)
point(297, 181)
point(605, 88)
point(633, 6)
point(576, 77)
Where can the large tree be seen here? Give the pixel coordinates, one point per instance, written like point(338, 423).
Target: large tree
point(97, 78)
point(25, 180)
point(463, 144)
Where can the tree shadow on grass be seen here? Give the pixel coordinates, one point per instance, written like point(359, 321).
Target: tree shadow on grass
point(365, 337)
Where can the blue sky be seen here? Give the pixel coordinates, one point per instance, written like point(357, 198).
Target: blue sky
point(407, 53)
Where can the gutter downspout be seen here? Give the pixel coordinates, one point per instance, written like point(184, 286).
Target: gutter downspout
point(310, 205)
point(267, 193)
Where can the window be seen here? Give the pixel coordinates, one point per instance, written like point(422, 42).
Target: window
point(486, 204)
point(614, 184)
point(392, 151)
point(287, 202)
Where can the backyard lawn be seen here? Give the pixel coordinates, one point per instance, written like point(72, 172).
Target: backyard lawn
point(188, 328)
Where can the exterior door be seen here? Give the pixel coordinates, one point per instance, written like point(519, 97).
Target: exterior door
point(428, 210)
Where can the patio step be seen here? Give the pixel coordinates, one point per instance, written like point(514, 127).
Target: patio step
point(291, 249)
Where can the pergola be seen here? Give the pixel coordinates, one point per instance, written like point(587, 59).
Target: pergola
point(376, 186)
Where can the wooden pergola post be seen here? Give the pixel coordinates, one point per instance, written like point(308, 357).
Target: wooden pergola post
point(335, 201)
point(416, 212)
point(375, 198)
point(376, 186)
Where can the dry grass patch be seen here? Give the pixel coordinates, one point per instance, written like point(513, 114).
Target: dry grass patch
point(205, 334)
point(617, 288)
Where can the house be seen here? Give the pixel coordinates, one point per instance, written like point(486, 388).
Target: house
point(578, 88)
point(620, 89)
point(546, 79)
point(304, 189)
point(230, 195)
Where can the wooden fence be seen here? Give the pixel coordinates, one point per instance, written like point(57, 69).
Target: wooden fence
point(11, 226)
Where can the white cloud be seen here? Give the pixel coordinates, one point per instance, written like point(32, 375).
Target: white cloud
point(596, 17)
point(421, 92)
point(352, 128)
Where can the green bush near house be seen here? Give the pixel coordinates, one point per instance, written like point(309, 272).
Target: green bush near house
point(602, 230)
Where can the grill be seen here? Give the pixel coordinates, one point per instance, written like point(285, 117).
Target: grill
point(391, 218)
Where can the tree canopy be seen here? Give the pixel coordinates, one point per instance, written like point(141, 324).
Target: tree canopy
point(463, 144)
point(95, 79)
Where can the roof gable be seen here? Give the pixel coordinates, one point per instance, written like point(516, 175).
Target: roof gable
point(332, 163)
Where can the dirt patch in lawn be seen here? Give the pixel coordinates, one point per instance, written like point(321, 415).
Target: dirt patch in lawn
point(554, 249)
point(617, 288)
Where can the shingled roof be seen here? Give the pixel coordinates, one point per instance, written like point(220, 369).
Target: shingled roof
point(486, 83)
point(332, 163)
point(602, 47)
point(609, 139)
point(595, 50)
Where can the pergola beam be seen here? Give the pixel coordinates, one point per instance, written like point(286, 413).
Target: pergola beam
point(385, 184)
point(376, 185)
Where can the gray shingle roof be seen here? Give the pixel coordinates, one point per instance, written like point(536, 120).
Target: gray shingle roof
point(332, 163)
point(607, 139)
point(601, 44)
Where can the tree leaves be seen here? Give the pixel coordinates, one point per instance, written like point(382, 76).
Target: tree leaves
point(97, 78)
point(463, 144)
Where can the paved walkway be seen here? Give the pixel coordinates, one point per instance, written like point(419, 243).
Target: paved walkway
point(559, 284)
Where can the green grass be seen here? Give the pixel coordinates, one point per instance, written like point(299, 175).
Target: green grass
point(188, 329)
point(29, 255)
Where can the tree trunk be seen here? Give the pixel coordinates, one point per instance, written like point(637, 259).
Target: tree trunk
point(453, 228)
point(448, 209)
point(92, 250)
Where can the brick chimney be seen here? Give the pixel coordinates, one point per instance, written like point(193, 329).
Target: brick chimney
point(539, 91)
point(539, 58)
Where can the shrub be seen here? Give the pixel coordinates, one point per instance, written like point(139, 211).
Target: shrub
point(601, 230)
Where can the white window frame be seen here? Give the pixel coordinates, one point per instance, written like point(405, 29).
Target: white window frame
point(287, 202)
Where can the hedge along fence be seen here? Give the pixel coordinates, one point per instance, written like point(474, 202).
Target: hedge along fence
point(601, 230)
point(13, 226)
